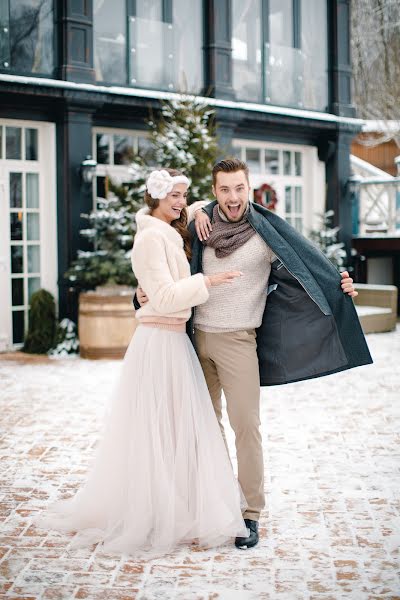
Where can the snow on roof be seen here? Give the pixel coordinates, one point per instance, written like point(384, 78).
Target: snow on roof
point(365, 168)
point(380, 126)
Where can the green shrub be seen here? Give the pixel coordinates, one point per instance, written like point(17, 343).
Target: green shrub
point(42, 323)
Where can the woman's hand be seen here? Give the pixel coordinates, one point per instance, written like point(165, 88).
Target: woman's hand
point(219, 278)
point(202, 224)
point(141, 296)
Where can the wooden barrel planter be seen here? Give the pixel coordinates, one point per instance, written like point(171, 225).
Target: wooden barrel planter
point(106, 322)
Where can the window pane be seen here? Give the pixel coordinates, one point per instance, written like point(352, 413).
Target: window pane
point(253, 159)
point(103, 148)
point(17, 263)
point(298, 204)
point(18, 317)
point(145, 150)
point(297, 164)
point(13, 143)
point(32, 226)
point(109, 24)
point(271, 161)
point(314, 40)
point(123, 149)
point(31, 144)
point(101, 191)
point(32, 190)
point(287, 163)
point(281, 22)
point(288, 199)
point(16, 226)
point(188, 45)
point(33, 259)
point(298, 223)
point(17, 292)
point(152, 61)
point(31, 31)
point(246, 49)
point(1, 142)
point(149, 9)
point(15, 190)
point(33, 286)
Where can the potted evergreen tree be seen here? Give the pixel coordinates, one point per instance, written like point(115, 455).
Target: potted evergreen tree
point(104, 273)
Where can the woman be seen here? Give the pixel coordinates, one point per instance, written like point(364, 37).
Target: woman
point(161, 474)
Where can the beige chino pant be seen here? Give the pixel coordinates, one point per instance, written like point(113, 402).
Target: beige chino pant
point(230, 363)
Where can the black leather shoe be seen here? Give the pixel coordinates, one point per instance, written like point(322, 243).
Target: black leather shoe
point(252, 539)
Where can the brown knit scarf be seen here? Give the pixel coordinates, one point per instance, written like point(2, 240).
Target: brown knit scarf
point(226, 236)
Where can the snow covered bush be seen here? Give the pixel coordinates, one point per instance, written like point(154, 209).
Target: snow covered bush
point(325, 238)
point(67, 341)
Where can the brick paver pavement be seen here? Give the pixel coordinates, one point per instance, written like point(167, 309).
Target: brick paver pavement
point(331, 528)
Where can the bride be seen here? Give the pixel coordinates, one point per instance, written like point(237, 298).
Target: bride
point(161, 475)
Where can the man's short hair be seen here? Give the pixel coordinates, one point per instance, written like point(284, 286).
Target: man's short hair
point(229, 165)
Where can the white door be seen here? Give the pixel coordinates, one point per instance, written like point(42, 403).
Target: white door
point(28, 236)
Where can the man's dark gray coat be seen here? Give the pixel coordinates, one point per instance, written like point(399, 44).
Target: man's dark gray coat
point(310, 327)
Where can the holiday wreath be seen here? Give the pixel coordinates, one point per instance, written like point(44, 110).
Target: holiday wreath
point(266, 196)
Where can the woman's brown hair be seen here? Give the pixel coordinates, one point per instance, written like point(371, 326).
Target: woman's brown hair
point(179, 224)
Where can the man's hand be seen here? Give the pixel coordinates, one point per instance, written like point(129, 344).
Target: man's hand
point(141, 296)
point(347, 285)
point(203, 224)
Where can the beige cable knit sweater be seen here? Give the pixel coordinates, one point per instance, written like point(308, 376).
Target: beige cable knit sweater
point(239, 305)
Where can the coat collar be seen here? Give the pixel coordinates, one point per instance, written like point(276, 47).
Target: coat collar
point(145, 221)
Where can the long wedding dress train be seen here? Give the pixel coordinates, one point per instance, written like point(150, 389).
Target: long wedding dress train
point(161, 475)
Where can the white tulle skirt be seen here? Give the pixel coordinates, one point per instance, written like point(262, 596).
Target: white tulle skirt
point(161, 475)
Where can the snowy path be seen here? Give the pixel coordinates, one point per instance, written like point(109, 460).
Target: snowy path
point(331, 529)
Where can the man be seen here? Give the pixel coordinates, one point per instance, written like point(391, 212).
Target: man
point(306, 328)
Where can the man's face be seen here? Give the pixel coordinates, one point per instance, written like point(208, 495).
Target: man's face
point(232, 193)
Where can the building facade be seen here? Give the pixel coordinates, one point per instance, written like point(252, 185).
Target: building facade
point(78, 78)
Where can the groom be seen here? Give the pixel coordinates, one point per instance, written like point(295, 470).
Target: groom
point(305, 329)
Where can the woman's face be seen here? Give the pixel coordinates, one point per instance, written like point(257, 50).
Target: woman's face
point(170, 207)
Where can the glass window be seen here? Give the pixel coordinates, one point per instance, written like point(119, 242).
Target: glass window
point(15, 190)
point(32, 190)
point(188, 43)
point(314, 40)
point(16, 226)
point(253, 160)
point(33, 286)
point(18, 318)
point(287, 162)
point(31, 36)
point(13, 143)
point(123, 149)
point(17, 292)
point(246, 49)
point(149, 9)
point(288, 199)
point(271, 161)
point(298, 205)
point(109, 25)
point(32, 226)
point(31, 144)
point(281, 22)
point(33, 259)
point(297, 164)
point(152, 60)
point(17, 263)
point(103, 148)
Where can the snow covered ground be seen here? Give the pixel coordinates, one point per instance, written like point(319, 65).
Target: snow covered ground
point(331, 528)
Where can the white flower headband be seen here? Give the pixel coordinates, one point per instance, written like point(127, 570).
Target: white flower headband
point(160, 183)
